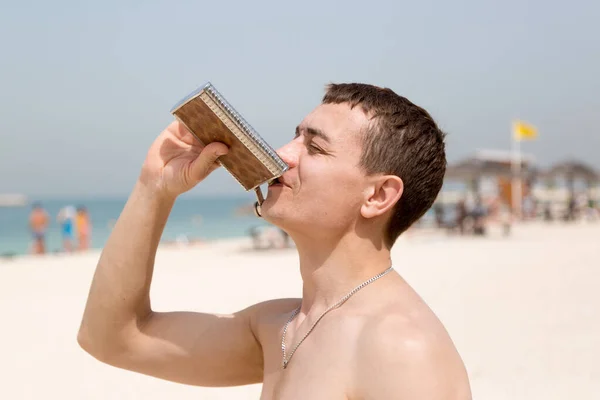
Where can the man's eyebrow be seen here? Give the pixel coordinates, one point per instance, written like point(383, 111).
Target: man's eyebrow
point(314, 132)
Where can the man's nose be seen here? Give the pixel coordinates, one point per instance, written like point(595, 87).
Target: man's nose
point(290, 153)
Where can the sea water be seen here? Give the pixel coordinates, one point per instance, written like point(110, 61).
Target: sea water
point(192, 218)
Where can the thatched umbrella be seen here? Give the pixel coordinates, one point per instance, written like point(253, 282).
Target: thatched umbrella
point(486, 164)
point(572, 170)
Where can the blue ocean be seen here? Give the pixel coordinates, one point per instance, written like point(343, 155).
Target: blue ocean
point(204, 218)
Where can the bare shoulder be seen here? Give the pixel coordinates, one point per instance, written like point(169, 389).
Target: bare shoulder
point(267, 315)
point(407, 353)
point(263, 311)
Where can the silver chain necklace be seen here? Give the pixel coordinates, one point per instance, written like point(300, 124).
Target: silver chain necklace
point(286, 360)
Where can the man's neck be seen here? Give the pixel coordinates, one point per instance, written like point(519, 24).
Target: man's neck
point(331, 270)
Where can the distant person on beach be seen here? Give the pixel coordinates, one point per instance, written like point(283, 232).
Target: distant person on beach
point(571, 213)
point(66, 221)
point(479, 214)
point(38, 225)
point(365, 164)
point(438, 212)
point(500, 211)
point(461, 215)
point(84, 228)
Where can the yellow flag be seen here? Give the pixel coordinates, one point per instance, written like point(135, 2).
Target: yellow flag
point(524, 131)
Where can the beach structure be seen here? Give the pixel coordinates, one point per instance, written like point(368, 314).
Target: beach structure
point(566, 180)
point(13, 200)
point(571, 171)
point(492, 166)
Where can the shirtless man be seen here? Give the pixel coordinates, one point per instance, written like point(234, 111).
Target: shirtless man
point(38, 224)
point(364, 165)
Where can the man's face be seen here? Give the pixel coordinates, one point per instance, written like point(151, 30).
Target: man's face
point(324, 188)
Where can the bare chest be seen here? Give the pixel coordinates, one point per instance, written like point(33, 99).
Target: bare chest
point(321, 368)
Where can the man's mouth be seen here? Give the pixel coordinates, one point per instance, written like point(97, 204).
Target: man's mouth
point(275, 182)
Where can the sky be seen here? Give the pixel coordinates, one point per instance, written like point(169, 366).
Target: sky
point(85, 87)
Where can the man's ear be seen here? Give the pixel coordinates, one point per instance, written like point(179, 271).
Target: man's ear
point(382, 195)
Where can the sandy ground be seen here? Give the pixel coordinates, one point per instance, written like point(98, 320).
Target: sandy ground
point(523, 311)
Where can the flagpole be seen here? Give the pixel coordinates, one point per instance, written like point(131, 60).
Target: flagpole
point(516, 188)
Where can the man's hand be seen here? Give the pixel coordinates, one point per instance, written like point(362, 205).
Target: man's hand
point(177, 161)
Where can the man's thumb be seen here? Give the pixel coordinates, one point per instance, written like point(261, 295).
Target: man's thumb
point(205, 163)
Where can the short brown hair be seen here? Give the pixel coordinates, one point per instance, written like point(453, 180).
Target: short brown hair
point(402, 140)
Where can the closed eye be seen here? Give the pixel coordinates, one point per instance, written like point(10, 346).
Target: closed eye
point(312, 149)
point(308, 140)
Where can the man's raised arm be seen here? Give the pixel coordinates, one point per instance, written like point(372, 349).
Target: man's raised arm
point(119, 326)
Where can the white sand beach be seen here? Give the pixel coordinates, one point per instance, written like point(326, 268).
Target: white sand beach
point(522, 310)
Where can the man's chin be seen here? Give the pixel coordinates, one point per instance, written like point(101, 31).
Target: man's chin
point(267, 211)
point(271, 212)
